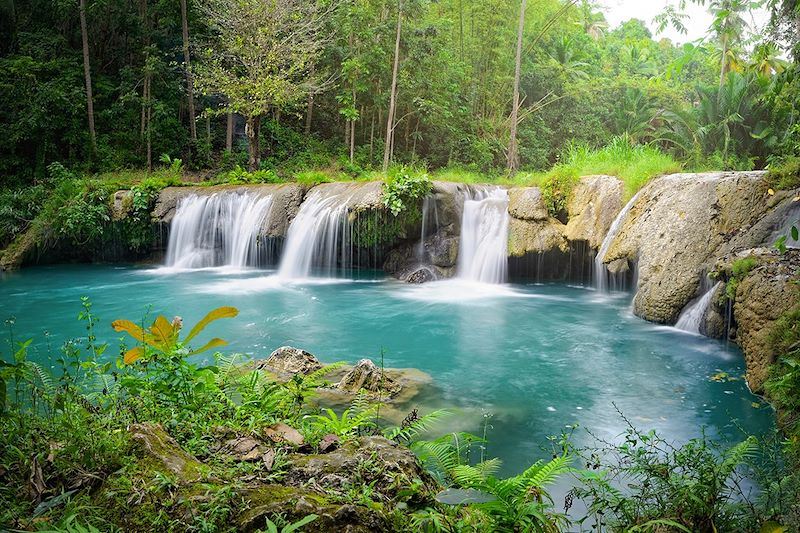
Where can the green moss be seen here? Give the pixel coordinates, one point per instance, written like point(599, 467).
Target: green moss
point(739, 270)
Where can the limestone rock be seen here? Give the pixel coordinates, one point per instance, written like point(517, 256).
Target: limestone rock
point(594, 204)
point(762, 297)
point(286, 200)
point(526, 203)
point(527, 237)
point(675, 229)
point(248, 449)
point(421, 275)
point(365, 375)
point(121, 204)
point(156, 443)
point(281, 433)
point(290, 360)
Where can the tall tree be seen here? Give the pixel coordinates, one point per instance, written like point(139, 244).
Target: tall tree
point(512, 163)
point(387, 148)
point(87, 75)
point(261, 59)
point(188, 66)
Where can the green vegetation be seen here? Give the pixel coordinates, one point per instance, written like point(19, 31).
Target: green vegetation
point(75, 457)
point(739, 270)
point(786, 175)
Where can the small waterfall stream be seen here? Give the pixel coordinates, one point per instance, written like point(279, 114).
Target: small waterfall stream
point(483, 246)
point(428, 209)
point(601, 274)
point(695, 311)
point(319, 238)
point(217, 230)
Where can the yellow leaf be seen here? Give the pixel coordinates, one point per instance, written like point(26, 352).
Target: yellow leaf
point(796, 199)
point(771, 192)
point(773, 527)
point(163, 332)
point(220, 312)
point(132, 329)
point(133, 354)
point(213, 343)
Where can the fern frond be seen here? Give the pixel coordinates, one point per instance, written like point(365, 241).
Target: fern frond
point(41, 379)
point(541, 474)
point(738, 454)
point(415, 428)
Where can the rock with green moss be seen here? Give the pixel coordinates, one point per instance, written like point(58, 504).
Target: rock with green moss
point(763, 292)
point(165, 453)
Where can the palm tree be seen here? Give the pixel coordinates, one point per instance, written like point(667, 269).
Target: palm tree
point(593, 21)
point(729, 26)
point(570, 58)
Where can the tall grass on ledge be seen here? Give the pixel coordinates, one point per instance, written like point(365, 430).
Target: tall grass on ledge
point(635, 165)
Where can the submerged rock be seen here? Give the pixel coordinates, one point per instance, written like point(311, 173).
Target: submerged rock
point(290, 360)
point(367, 376)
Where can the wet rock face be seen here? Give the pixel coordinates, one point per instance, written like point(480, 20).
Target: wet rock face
point(527, 203)
point(290, 360)
point(676, 229)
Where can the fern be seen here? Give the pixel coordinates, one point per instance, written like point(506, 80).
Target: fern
point(408, 433)
point(41, 379)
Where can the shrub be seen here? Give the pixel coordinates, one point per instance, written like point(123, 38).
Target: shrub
point(402, 189)
point(786, 175)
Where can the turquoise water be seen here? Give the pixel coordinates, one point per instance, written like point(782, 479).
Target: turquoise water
point(535, 357)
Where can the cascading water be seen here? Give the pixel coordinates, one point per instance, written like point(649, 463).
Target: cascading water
point(428, 210)
point(319, 237)
point(483, 247)
point(217, 230)
point(601, 275)
point(693, 314)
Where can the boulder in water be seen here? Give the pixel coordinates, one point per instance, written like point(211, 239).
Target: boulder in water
point(367, 376)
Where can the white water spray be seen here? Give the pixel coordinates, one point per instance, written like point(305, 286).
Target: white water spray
point(318, 237)
point(695, 311)
point(217, 230)
point(483, 247)
point(601, 281)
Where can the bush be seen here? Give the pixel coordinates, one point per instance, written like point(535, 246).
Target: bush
point(786, 175)
point(403, 188)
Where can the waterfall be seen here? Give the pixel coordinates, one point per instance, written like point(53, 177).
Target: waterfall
point(217, 230)
point(601, 273)
point(318, 237)
point(483, 247)
point(695, 311)
point(428, 209)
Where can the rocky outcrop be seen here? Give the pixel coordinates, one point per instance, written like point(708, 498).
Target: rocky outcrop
point(286, 200)
point(368, 377)
point(437, 257)
point(289, 360)
point(309, 483)
point(676, 229)
point(593, 205)
point(762, 296)
point(527, 203)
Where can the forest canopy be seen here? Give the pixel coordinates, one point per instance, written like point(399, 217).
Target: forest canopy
point(214, 83)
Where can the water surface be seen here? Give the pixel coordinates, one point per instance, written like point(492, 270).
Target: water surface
point(537, 358)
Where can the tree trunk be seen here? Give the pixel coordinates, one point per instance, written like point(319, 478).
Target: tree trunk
point(310, 104)
point(188, 66)
point(353, 128)
point(252, 129)
point(87, 74)
point(513, 151)
point(387, 149)
point(229, 134)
